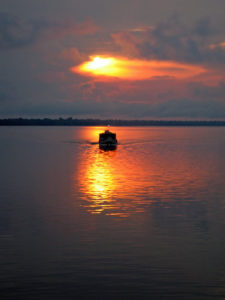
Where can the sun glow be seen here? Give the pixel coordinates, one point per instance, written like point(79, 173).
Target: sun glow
point(99, 63)
point(124, 68)
point(99, 66)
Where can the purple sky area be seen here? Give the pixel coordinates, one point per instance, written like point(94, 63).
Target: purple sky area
point(40, 41)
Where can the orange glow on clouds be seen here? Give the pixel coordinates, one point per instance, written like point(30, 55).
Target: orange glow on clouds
point(123, 68)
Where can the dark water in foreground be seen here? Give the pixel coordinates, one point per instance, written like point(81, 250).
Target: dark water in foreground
point(146, 221)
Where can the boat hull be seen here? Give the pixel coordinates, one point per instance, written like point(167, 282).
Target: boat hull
point(107, 146)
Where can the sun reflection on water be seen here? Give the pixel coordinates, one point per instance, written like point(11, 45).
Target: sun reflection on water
point(101, 178)
point(109, 183)
point(99, 182)
point(132, 178)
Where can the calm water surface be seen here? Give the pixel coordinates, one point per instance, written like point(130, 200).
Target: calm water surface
point(146, 221)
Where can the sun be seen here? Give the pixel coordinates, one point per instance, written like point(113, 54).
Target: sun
point(100, 66)
point(99, 63)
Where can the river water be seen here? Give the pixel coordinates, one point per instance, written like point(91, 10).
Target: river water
point(146, 221)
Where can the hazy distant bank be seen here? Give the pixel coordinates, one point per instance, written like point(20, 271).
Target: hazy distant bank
point(99, 122)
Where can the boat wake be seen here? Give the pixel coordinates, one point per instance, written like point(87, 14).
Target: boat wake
point(81, 142)
point(124, 143)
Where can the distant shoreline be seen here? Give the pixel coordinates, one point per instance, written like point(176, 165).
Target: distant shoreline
point(98, 122)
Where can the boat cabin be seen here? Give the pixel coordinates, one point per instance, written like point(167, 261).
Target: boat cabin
point(107, 139)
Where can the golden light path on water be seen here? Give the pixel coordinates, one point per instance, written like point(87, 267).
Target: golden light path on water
point(130, 179)
point(136, 69)
point(106, 180)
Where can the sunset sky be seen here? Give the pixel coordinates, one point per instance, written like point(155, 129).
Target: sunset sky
point(131, 59)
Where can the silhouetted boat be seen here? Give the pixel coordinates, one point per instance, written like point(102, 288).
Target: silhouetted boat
point(107, 140)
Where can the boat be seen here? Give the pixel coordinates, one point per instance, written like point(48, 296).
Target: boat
point(107, 140)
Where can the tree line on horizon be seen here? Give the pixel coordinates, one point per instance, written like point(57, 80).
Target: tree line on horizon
point(99, 122)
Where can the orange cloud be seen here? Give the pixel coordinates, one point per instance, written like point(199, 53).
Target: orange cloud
point(124, 68)
point(86, 27)
point(70, 28)
point(216, 46)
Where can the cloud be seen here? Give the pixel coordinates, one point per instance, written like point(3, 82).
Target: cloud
point(202, 91)
point(172, 40)
point(203, 27)
point(127, 42)
point(187, 108)
point(71, 28)
point(220, 45)
point(16, 32)
point(172, 109)
point(40, 83)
